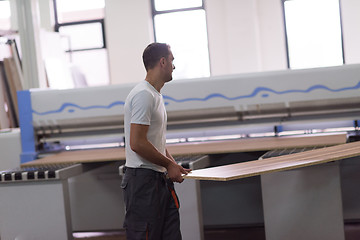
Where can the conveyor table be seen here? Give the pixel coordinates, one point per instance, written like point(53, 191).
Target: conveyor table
point(301, 191)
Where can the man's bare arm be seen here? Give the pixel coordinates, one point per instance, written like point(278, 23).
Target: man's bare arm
point(171, 157)
point(140, 144)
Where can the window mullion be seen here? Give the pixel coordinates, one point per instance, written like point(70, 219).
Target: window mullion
point(178, 10)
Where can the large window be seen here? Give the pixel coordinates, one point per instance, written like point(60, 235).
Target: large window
point(313, 31)
point(182, 24)
point(4, 29)
point(81, 25)
point(4, 16)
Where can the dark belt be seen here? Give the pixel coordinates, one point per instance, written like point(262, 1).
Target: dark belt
point(145, 172)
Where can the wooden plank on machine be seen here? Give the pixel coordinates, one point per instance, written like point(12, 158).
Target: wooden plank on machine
point(257, 144)
point(275, 164)
point(14, 82)
point(214, 147)
point(80, 156)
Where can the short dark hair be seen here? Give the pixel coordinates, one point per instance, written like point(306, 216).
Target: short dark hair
point(153, 53)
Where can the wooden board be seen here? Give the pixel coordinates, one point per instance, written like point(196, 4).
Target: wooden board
point(14, 83)
point(257, 144)
point(281, 163)
point(7, 97)
point(215, 147)
point(4, 119)
point(80, 156)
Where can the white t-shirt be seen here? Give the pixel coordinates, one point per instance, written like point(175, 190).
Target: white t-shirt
point(145, 105)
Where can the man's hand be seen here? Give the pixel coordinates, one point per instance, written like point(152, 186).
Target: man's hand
point(175, 172)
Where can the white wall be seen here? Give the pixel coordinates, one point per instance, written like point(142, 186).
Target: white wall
point(244, 36)
point(272, 35)
point(47, 19)
point(350, 13)
point(128, 27)
point(233, 36)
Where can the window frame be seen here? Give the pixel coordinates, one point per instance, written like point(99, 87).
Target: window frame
point(155, 12)
point(286, 35)
point(202, 7)
point(58, 25)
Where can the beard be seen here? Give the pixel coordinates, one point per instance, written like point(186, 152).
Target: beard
point(169, 78)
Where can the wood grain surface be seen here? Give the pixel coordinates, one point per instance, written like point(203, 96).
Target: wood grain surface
point(274, 164)
point(213, 147)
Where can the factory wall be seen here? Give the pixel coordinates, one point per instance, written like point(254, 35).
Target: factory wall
point(244, 36)
point(128, 27)
point(351, 32)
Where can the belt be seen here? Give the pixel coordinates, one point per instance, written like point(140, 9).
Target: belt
point(145, 172)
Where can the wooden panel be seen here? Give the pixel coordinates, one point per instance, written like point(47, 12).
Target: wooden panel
point(281, 163)
point(228, 146)
point(256, 144)
point(80, 156)
point(13, 77)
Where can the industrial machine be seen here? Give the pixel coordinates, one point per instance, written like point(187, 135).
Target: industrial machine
point(246, 105)
point(253, 105)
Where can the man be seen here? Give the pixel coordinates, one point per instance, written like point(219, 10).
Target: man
point(150, 199)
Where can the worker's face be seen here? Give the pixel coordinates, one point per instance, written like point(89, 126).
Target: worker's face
point(170, 66)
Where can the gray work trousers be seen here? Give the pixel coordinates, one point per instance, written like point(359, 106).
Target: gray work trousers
point(151, 206)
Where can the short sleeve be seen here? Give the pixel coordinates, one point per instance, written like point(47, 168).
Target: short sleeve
point(141, 108)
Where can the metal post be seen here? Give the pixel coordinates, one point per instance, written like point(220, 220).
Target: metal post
point(29, 32)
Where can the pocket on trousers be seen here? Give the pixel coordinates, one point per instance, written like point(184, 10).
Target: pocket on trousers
point(137, 230)
point(124, 182)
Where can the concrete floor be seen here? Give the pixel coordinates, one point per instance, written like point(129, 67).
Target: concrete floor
point(352, 232)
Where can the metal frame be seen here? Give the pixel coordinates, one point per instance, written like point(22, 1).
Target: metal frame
point(59, 25)
point(155, 12)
